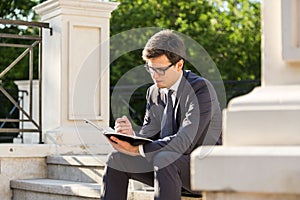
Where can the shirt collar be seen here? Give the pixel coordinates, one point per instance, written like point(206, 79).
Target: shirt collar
point(176, 84)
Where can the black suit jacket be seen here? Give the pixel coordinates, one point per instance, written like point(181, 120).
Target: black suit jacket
point(198, 117)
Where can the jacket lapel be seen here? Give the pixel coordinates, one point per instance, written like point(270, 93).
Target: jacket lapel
point(179, 94)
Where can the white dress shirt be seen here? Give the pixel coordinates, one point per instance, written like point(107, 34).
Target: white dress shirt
point(174, 87)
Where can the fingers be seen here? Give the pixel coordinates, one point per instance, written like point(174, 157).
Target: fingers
point(123, 146)
point(117, 144)
point(122, 119)
point(123, 125)
point(114, 139)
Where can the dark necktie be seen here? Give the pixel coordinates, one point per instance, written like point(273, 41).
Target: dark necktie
point(168, 126)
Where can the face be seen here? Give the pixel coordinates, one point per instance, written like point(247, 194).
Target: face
point(170, 75)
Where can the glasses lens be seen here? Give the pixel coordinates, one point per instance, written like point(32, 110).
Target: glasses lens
point(159, 71)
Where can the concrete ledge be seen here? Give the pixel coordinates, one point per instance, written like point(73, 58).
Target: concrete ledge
point(78, 160)
point(61, 187)
point(43, 150)
point(26, 150)
point(266, 116)
point(146, 195)
point(248, 196)
point(246, 169)
point(28, 195)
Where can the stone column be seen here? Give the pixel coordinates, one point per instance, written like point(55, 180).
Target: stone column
point(260, 157)
point(75, 78)
point(270, 114)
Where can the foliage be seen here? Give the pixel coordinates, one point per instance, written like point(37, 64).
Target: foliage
point(229, 30)
point(16, 10)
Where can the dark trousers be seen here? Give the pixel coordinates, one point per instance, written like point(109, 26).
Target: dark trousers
point(168, 173)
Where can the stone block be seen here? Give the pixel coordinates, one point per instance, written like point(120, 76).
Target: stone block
point(273, 170)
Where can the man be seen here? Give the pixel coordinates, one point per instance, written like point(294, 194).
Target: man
point(182, 113)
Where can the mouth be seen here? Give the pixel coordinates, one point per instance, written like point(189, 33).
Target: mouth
point(159, 84)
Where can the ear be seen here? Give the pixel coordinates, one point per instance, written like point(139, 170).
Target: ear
point(179, 65)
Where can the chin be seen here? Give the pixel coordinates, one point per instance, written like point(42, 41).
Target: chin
point(160, 85)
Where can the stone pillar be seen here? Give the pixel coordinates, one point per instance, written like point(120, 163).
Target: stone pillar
point(260, 117)
point(75, 78)
point(260, 157)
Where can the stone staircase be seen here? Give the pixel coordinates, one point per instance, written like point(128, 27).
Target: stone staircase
point(74, 178)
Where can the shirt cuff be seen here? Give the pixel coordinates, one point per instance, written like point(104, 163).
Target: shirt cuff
point(141, 150)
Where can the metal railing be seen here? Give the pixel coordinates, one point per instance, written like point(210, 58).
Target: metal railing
point(13, 109)
point(9, 40)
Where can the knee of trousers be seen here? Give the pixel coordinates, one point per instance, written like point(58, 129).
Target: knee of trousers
point(115, 161)
point(165, 158)
point(128, 164)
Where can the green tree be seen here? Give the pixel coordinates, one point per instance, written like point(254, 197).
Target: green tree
point(229, 30)
point(16, 10)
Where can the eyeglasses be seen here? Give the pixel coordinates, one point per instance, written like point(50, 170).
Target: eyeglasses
point(161, 71)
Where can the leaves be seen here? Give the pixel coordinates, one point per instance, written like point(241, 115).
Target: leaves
point(228, 30)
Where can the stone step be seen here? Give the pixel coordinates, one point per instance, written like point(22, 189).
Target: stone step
point(147, 195)
point(80, 168)
point(49, 189)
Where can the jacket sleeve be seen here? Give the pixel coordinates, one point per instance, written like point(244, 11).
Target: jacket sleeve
point(151, 124)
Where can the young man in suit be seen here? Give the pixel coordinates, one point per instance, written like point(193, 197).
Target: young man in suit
point(182, 113)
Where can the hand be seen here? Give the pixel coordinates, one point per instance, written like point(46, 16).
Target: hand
point(124, 147)
point(123, 125)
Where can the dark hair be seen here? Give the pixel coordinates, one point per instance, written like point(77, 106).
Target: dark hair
point(167, 43)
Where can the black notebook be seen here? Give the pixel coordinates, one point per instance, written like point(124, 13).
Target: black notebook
point(133, 140)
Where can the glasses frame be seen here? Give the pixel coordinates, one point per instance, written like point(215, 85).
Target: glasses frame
point(161, 71)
